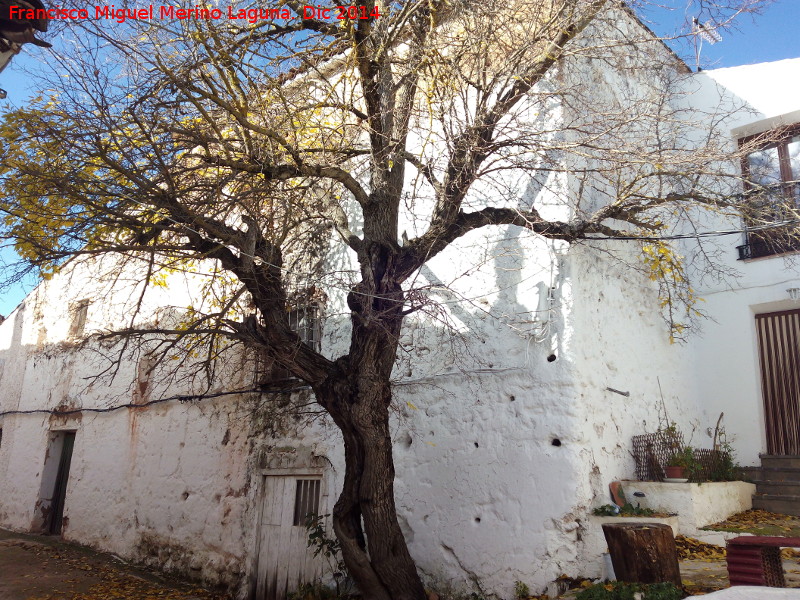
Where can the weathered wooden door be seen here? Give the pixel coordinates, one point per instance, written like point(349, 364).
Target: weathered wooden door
point(284, 560)
point(55, 521)
point(779, 354)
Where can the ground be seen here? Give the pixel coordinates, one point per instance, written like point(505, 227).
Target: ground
point(45, 568)
point(760, 522)
point(704, 575)
point(703, 567)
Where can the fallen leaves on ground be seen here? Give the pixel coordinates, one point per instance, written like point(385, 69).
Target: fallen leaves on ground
point(692, 549)
point(700, 589)
point(760, 522)
point(115, 583)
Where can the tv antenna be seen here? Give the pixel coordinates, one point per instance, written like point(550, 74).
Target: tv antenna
point(703, 31)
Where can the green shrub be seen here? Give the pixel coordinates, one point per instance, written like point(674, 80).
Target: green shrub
point(313, 591)
point(618, 590)
point(521, 590)
point(611, 510)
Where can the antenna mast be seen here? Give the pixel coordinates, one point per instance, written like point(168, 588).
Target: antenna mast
point(703, 31)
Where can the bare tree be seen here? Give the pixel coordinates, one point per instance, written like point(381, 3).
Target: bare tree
point(244, 144)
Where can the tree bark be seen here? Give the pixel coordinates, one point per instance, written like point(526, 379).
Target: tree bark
point(643, 553)
point(357, 395)
point(365, 515)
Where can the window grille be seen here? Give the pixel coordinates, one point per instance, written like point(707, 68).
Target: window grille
point(305, 323)
point(306, 500)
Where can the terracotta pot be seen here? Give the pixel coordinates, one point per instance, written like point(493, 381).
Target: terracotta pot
point(675, 472)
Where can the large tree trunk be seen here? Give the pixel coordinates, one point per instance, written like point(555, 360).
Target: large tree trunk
point(376, 554)
point(358, 395)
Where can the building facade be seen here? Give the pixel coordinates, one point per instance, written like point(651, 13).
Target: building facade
point(514, 411)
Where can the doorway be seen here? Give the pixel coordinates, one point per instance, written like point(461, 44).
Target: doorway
point(779, 359)
point(55, 477)
point(283, 559)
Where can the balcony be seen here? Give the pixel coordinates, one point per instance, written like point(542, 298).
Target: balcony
point(759, 245)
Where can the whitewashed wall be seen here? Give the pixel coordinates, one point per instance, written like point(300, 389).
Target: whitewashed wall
point(169, 485)
point(506, 432)
point(725, 374)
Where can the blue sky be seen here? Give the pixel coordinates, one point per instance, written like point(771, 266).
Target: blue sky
point(772, 35)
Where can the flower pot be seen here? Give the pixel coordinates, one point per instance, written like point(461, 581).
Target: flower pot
point(675, 472)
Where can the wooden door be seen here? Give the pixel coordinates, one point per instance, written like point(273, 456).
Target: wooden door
point(779, 356)
point(60, 490)
point(284, 560)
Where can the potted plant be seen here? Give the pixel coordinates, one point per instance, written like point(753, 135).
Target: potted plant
point(680, 463)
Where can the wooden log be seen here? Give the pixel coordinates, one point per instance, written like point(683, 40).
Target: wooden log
point(643, 552)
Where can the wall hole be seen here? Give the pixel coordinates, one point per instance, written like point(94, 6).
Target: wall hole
point(555, 442)
point(477, 519)
point(512, 398)
point(551, 358)
point(476, 445)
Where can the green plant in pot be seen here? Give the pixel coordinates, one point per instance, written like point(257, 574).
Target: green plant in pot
point(680, 463)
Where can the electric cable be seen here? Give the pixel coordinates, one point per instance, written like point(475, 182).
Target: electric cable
point(179, 397)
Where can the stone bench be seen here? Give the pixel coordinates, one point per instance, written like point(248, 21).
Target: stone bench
point(756, 560)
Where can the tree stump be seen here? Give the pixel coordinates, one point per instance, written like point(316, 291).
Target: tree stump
point(643, 552)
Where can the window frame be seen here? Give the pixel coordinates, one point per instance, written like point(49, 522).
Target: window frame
point(79, 312)
point(309, 315)
point(307, 499)
point(306, 322)
point(769, 243)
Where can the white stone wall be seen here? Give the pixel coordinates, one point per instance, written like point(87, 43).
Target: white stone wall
point(725, 373)
point(696, 504)
point(506, 434)
point(506, 431)
point(170, 485)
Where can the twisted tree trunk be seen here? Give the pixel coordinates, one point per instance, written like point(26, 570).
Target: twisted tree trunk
point(357, 394)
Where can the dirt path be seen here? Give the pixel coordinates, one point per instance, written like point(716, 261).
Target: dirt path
point(45, 568)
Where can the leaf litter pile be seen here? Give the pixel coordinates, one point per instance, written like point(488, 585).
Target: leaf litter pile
point(115, 583)
point(760, 522)
point(692, 549)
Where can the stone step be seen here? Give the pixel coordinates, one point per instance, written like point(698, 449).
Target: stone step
point(780, 474)
point(752, 474)
point(778, 488)
point(780, 462)
point(786, 505)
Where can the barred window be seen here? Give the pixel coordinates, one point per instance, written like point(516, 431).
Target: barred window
point(306, 500)
point(305, 322)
